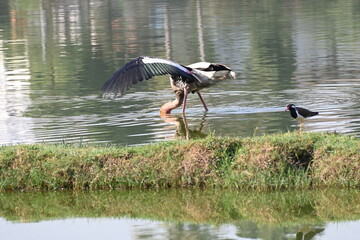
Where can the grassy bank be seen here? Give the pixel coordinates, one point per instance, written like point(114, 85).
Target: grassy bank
point(290, 160)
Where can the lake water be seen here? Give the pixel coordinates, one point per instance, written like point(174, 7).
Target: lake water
point(56, 55)
point(171, 214)
point(127, 229)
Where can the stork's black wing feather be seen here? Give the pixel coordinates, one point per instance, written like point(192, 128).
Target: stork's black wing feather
point(140, 69)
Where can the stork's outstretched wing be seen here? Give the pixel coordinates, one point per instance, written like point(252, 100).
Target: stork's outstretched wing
point(143, 68)
point(207, 66)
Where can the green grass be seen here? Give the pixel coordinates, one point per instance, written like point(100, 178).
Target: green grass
point(281, 161)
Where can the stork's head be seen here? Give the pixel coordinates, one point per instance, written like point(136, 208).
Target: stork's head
point(167, 107)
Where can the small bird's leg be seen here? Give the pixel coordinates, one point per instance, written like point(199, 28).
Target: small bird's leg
point(202, 101)
point(302, 123)
point(184, 101)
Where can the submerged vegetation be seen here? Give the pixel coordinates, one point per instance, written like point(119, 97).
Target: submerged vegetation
point(281, 161)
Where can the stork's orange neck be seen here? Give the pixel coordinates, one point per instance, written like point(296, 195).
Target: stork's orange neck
point(167, 107)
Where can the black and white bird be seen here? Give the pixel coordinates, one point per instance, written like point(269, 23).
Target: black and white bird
point(300, 114)
point(183, 79)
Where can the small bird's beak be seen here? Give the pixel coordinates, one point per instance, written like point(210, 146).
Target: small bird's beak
point(287, 109)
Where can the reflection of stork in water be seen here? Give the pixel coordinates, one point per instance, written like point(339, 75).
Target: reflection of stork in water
point(183, 79)
point(182, 127)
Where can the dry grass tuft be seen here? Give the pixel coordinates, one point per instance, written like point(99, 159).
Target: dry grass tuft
point(197, 164)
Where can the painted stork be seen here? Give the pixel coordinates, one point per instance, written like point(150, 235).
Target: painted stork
point(183, 79)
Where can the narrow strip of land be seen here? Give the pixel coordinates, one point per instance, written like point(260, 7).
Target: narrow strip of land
point(281, 161)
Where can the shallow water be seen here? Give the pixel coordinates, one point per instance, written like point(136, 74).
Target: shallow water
point(55, 56)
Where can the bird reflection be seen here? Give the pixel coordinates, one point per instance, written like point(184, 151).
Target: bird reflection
point(182, 128)
point(308, 234)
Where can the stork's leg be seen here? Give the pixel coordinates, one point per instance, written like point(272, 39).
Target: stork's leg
point(202, 101)
point(187, 132)
point(184, 101)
